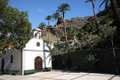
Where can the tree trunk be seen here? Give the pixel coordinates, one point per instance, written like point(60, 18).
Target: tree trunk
point(95, 15)
point(48, 33)
point(118, 3)
point(65, 33)
point(57, 33)
point(48, 37)
point(116, 15)
point(48, 23)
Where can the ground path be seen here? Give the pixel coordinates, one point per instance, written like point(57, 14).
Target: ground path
point(60, 75)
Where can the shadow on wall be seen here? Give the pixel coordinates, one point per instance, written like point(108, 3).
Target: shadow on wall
point(103, 61)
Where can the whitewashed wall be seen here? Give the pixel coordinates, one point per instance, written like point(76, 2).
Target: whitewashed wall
point(31, 45)
point(31, 51)
point(29, 58)
point(48, 59)
point(16, 65)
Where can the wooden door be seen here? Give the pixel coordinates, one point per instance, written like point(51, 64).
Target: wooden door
point(38, 64)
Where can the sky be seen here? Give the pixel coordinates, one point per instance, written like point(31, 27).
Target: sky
point(38, 10)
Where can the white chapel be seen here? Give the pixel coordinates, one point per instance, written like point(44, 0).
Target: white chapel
point(35, 57)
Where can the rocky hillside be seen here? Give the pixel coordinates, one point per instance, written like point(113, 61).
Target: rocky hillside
point(77, 22)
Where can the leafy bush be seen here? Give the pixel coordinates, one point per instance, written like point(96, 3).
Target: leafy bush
point(71, 49)
point(90, 28)
point(91, 60)
point(54, 52)
point(47, 42)
point(70, 37)
point(102, 38)
point(92, 41)
point(62, 38)
point(0, 54)
point(105, 21)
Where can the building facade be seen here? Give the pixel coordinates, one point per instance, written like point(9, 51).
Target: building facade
point(35, 57)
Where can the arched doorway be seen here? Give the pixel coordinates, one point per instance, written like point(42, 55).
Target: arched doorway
point(2, 66)
point(38, 64)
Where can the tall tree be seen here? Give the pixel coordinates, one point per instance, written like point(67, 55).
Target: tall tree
point(3, 28)
point(115, 8)
point(22, 30)
point(41, 25)
point(93, 1)
point(56, 16)
point(62, 8)
point(116, 15)
point(48, 18)
point(15, 28)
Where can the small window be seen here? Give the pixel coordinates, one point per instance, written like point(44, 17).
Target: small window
point(11, 61)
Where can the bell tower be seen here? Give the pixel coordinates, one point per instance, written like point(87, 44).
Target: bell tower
point(37, 33)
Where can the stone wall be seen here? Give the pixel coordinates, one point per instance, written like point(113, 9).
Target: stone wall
point(106, 63)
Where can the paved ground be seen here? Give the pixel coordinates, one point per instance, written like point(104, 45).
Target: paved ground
point(60, 75)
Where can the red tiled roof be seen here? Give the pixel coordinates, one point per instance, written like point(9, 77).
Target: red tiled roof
point(66, 41)
point(11, 46)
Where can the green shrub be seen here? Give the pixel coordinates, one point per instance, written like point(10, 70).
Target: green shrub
point(104, 36)
point(62, 38)
point(91, 60)
point(105, 21)
point(46, 41)
point(90, 28)
point(71, 49)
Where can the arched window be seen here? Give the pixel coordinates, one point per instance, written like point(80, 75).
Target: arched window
point(11, 60)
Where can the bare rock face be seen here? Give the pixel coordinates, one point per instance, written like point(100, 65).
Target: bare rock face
point(77, 22)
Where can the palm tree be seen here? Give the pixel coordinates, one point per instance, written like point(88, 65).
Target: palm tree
point(93, 1)
point(62, 8)
point(106, 3)
point(48, 18)
point(56, 16)
point(116, 15)
point(41, 25)
point(115, 9)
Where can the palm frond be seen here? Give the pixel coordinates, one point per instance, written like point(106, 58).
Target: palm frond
point(63, 7)
point(56, 16)
point(48, 17)
point(88, 1)
point(102, 4)
point(41, 25)
point(106, 4)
